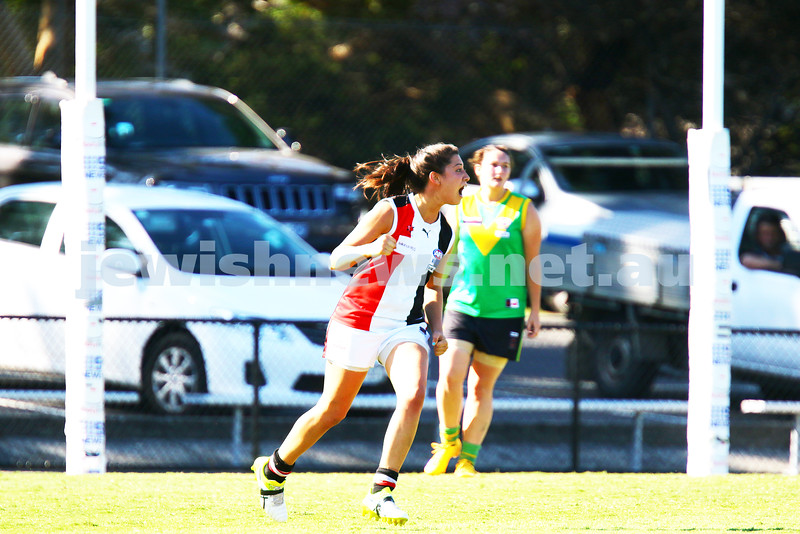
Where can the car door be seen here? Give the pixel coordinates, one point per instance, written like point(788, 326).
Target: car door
point(125, 300)
point(765, 306)
point(32, 289)
point(37, 290)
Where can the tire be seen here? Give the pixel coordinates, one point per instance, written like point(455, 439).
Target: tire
point(173, 366)
point(579, 357)
point(618, 367)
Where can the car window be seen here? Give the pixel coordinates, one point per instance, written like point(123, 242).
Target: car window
point(790, 235)
point(226, 242)
point(532, 186)
point(165, 121)
point(25, 221)
point(46, 124)
point(116, 238)
point(613, 168)
point(14, 114)
point(519, 159)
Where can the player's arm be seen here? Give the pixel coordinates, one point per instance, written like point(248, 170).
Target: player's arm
point(532, 241)
point(433, 304)
point(369, 238)
point(449, 264)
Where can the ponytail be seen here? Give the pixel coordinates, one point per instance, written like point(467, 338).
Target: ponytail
point(399, 175)
point(384, 178)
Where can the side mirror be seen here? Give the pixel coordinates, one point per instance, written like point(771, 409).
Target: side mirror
point(531, 190)
point(119, 265)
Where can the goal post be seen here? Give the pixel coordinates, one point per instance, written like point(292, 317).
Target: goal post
point(708, 421)
point(83, 182)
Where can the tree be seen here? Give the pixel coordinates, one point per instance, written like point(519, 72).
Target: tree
point(353, 78)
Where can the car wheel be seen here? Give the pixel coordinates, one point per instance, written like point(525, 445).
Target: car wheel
point(173, 367)
point(618, 367)
point(579, 355)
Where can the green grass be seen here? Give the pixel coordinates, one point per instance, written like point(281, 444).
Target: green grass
point(497, 502)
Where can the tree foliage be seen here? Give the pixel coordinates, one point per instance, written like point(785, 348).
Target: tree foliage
point(357, 78)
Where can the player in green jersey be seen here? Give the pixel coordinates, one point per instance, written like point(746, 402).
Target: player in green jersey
point(498, 239)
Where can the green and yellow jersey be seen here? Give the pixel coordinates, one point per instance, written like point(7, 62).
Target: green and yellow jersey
point(491, 278)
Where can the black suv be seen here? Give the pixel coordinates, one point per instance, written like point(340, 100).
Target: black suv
point(180, 134)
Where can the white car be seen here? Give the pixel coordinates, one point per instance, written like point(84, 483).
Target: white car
point(186, 274)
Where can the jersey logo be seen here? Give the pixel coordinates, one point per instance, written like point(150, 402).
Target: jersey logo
point(437, 257)
point(427, 234)
point(405, 246)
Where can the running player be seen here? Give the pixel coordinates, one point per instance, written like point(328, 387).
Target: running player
point(390, 313)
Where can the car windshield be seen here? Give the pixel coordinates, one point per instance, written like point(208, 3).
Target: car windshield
point(233, 243)
point(165, 121)
point(617, 168)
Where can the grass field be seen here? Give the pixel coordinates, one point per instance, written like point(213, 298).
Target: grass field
point(497, 502)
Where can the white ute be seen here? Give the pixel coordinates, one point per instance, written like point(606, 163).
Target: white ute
point(616, 248)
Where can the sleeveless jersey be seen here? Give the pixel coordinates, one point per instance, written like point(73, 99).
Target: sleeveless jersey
point(386, 292)
point(491, 279)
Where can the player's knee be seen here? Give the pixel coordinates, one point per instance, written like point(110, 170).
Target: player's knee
point(412, 400)
point(481, 391)
point(454, 382)
point(332, 414)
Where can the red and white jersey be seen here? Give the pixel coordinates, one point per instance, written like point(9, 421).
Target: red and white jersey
point(386, 291)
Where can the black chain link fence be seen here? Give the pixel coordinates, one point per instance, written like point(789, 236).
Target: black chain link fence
point(245, 395)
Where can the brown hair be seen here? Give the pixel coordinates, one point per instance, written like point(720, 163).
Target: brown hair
point(397, 175)
point(477, 157)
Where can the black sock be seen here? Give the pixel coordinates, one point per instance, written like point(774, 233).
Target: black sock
point(277, 469)
point(384, 478)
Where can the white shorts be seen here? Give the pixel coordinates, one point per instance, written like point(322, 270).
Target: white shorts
point(358, 350)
